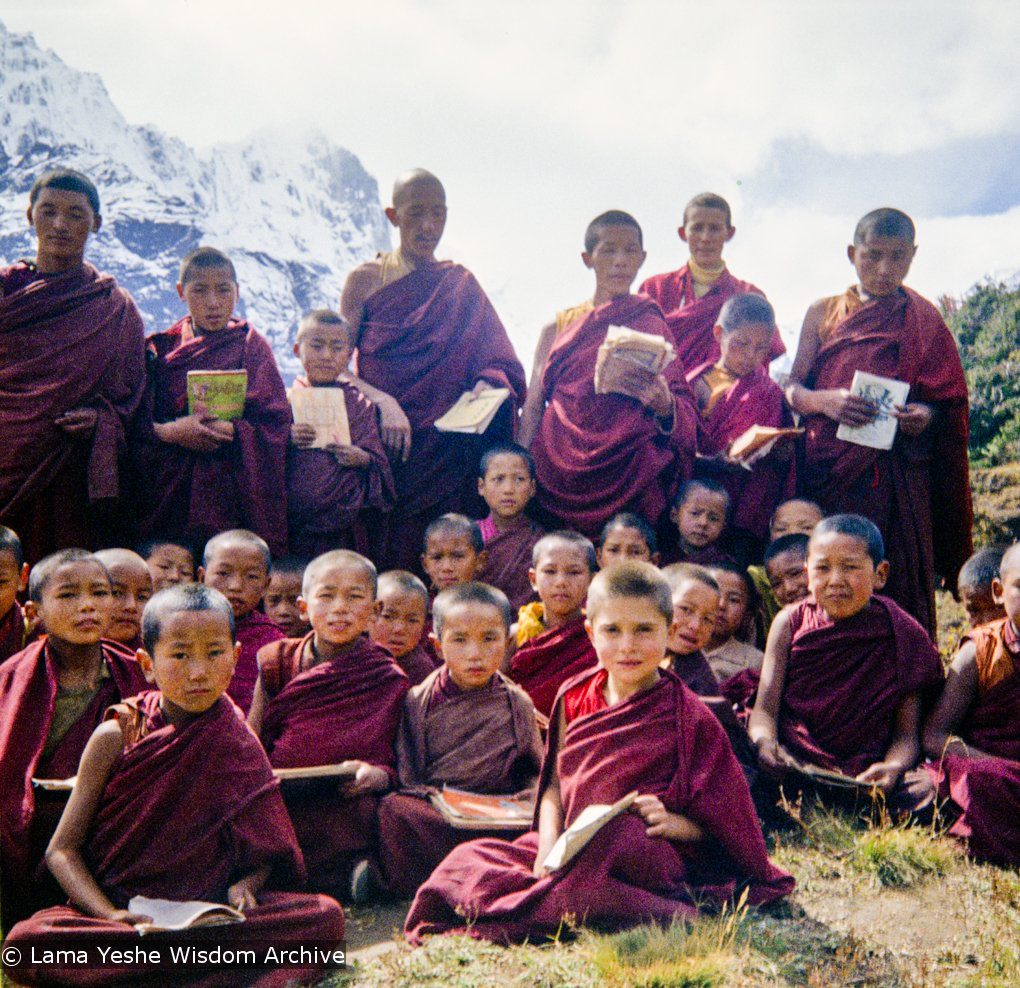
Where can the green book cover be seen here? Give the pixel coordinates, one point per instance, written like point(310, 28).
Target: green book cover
point(221, 391)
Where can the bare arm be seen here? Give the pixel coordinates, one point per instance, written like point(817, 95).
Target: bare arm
point(550, 807)
point(63, 856)
point(957, 696)
point(905, 749)
point(534, 403)
point(763, 726)
point(257, 710)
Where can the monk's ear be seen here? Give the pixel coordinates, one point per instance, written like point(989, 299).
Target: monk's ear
point(998, 591)
point(717, 332)
point(731, 233)
point(297, 349)
point(481, 561)
point(531, 579)
point(881, 574)
point(850, 252)
point(588, 262)
point(436, 643)
point(23, 578)
point(655, 558)
point(589, 631)
point(481, 485)
point(391, 215)
point(237, 653)
point(303, 607)
point(201, 574)
point(376, 608)
point(180, 290)
point(28, 213)
point(97, 222)
point(145, 661)
point(31, 611)
point(682, 233)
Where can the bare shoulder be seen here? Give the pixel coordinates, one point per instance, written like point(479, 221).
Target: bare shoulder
point(363, 281)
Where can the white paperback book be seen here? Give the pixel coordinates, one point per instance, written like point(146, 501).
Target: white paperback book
point(886, 393)
point(168, 914)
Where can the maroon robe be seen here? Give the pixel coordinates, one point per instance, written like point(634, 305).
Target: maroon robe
point(917, 493)
point(597, 455)
point(987, 790)
point(12, 632)
point(425, 339)
point(334, 507)
point(692, 319)
point(193, 496)
point(544, 663)
point(253, 631)
point(418, 664)
point(509, 558)
point(73, 340)
point(845, 680)
point(186, 812)
point(661, 741)
point(348, 708)
point(754, 399)
point(483, 741)
point(28, 689)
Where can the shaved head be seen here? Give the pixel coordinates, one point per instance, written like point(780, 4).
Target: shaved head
point(1010, 560)
point(412, 179)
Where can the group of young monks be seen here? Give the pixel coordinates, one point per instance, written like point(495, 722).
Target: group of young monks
point(612, 597)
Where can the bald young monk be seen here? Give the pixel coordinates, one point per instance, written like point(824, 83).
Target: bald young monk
point(425, 333)
point(918, 492)
point(72, 370)
point(132, 588)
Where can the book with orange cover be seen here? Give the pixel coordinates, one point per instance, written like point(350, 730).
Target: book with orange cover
point(476, 811)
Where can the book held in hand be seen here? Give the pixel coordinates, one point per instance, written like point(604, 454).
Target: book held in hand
point(475, 811)
point(55, 785)
point(624, 349)
point(221, 391)
point(758, 441)
point(326, 409)
point(168, 914)
point(577, 836)
point(346, 769)
point(886, 393)
point(472, 414)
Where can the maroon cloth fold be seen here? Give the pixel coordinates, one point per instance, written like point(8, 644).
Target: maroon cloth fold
point(845, 680)
point(73, 340)
point(509, 559)
point(987, 790)
point(661, 741)
point(28, 689)
point(348, 708)
point(418, 664)
point(193, 496)
point(917, 493)
point(754, 399)
point(544, 663)
point(253, 631)
point(425, 339)
point(12, 632)
point(695, 672)
point(334, 507)
point(596, 455)
point(692, 319)
point(186, 812)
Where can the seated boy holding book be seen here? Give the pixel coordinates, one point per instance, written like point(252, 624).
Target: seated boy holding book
point(339, 483)
point(467, 727)
point(174, 799)
point(205, 469)
point(627, 728)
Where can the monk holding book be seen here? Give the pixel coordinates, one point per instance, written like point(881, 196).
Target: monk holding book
point(425, 333)
point(917, 492)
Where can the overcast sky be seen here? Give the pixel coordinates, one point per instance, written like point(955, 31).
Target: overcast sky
point(539, 115)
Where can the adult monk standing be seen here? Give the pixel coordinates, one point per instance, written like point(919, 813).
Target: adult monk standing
point(918, 492)
point(72, 369)
point(425, 333)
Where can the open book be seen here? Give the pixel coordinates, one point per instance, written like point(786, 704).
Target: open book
point(324, 408)
point(828, 777)
point(622, 350)
point(473, 415)
point(588, 823)
point(757, 442)
point(886, 393)
point(475, 811)
point(222, 392)
point(168, 914)
point(340, 770)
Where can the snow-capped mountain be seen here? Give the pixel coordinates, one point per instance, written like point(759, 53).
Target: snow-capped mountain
point(293, 211)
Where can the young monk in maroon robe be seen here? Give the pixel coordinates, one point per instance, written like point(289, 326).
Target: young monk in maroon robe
point(72, 369)
point(467, 727)
point(562, 568)
point(203, 475)
point(175, 799)
point(281, 599)
point(846, 672)
point(700, 510)
point(918, 492)
point(506, 483)
point(132, 590)
point(52, 696)
point(691, 835)
point(627, 537)
point(735, 393)
point(425, 333)
point(13, 580)
point(399, 624)
point(599, 454)
point(170, 563)
point(338, 496)
point(974, 586)
point(693, 296)
point(333, 697)
point(237, 563)
point(973, 734)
